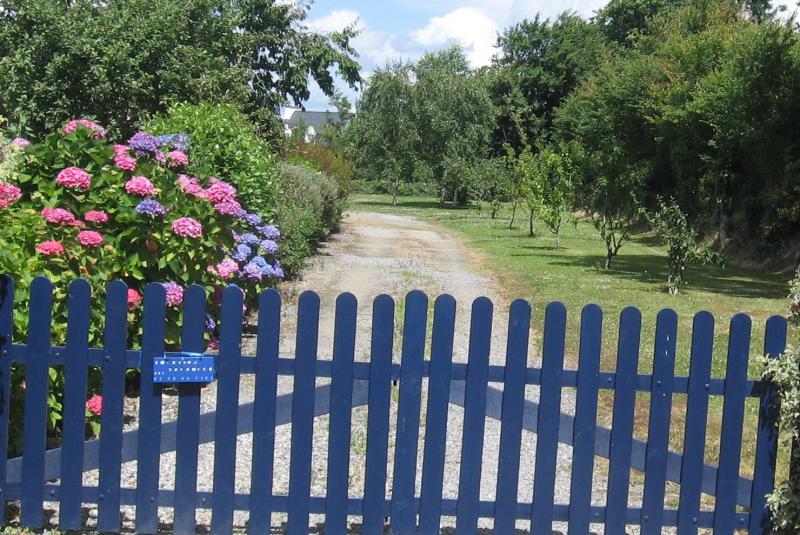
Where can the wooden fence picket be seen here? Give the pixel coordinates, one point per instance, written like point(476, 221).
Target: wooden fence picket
point(262, 470)
point(380, 377)
point(228, 371)
point(7, 288)
point(585, 420)
point(36, 382)
point(305, 372)
point(694, 440)
point(548, 420)
point(661, 389)
point(619, 455)
point(76, 361)
point(341, 409)
point(440, 366)
point(403, 511)
point(186, 452)
point(519, 324)
point(149, 444)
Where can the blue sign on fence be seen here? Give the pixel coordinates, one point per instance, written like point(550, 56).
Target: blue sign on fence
point(183, 368)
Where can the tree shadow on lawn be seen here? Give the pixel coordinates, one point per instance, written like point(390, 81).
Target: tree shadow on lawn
point(652, 269)
point(416, 204)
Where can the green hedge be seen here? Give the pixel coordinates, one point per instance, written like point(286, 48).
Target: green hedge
point(311, 207)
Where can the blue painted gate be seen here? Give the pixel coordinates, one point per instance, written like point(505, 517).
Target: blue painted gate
point(55, 475)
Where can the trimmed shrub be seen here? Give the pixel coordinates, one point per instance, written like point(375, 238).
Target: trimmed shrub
point(325, 160)
point(311, 207)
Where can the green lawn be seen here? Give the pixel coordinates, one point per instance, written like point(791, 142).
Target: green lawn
point(533, 269)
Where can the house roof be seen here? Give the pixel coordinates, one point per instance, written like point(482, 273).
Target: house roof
point(312, 118)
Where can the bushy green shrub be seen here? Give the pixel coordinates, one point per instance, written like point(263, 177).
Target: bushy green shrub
point(784, 372)
point(224, 143)
point(76, 205)
point(311, 206)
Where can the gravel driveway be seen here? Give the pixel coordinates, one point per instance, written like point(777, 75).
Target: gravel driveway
point(373, 254)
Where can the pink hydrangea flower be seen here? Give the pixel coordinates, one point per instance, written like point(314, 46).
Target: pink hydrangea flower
point(161, 157)
point(96, 216)
point(228, 207)
point(121, 150)
point(177, 158)
point(141, 186)
point(74, 177)
point(227, 268)
point(187, 227)
point(58, 216)
point(20, 142)
point(191, 186)
point(78, 223)
point(134, 298)
point(90, 238)
point(220, 191)
point(86, 123)
point(95, 405)
point(213, 344)
point(9, 193)
point(174, 293)
point(50, 247)
point(125, 162)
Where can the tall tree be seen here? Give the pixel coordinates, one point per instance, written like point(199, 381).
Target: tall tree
point(539, 64)
point(121, 60)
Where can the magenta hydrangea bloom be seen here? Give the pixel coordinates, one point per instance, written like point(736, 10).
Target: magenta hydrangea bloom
point(228, 207)
point(187, 227)
point(90, 238)
point(50, 247)
point(74, 177)
point(95, 405)
point(20, 142)
point(220, 191)
point(174, 293)
point(58, 216)
point(72, 126)
point(121, 150)
point(227, 268)
point(9, 193)
point(96, 216)
point(177, 158)
point(191, 186)
point(125, 162)
point(141, 186)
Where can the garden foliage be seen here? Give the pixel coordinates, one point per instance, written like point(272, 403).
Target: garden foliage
point(784, 372)
point(76, 205)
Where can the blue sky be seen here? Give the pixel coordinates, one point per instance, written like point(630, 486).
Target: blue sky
point(407, 28)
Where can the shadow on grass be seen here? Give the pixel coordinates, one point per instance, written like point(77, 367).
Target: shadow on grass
point(415, 204)
point(652, 269)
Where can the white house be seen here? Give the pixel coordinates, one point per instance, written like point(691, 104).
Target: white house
point(313, 121)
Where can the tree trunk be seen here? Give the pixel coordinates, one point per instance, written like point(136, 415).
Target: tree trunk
point(530, 225)
point(513, 214)
point(609, 256)
point(395, 187)
point(558, 238)
point(723, 224)
point(455, 197)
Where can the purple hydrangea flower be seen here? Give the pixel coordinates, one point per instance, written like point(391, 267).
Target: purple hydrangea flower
point(241, 253)
point(250, 239)
point(269, 246)
point(252, 271)
point(240, 213)
point(210, 323)
point(270, 232)
point(151, 208)
point(180, 142)
point(253, 219)
point(144, 143)
point(261, 262)
point(278, 271)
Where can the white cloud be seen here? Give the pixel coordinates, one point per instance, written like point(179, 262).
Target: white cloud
point(521, 9)
point(335, 21)
point(468, 26)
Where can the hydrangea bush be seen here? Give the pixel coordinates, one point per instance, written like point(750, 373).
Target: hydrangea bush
point(784, 372)
point(78, 205)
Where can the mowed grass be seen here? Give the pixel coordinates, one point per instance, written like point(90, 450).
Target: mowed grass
point(531, 268)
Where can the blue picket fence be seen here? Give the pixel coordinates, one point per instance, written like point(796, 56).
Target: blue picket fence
point(55, 475)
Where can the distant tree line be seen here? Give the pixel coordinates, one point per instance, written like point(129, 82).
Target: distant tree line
point(685, 108)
